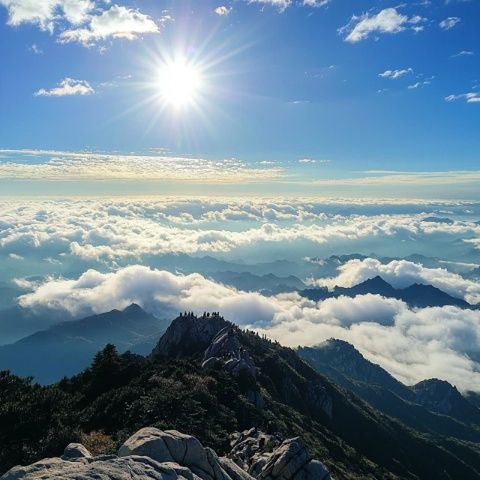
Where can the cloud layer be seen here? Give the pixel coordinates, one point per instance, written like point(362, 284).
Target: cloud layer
point(412, 344)
point(128, 229)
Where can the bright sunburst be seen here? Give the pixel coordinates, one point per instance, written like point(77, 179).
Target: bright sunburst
point(179, 82)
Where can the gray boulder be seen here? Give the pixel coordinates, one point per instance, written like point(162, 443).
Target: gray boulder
point(176, 447)
point(291, 461)
point(152, 454)
point(266, 457)
point(75, 450)
point(126, 468)
point(233, 470)
point(252, 449)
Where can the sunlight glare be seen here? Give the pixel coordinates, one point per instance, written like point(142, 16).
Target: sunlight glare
point(179, 83)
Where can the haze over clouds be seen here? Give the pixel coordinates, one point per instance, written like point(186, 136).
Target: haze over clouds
point(57, 165)
point(412, 344)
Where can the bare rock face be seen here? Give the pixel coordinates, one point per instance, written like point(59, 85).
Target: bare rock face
point(152, 454)
point(226, 348)
point(189, 335)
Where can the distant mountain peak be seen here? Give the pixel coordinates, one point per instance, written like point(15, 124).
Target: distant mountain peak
point(416, 295)
point(443, 397)
point(134, 309)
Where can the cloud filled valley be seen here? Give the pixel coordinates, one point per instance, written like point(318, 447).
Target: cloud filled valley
point(69, 259)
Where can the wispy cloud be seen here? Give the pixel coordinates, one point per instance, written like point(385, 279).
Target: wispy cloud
point(405, 178)
point(470, 97)
point(280, 4)
point(449, 23)
point(464, 53)
point(316, 3)
point(61, 165)
point(394, 74)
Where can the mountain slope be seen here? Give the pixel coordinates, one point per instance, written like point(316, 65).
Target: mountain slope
point(416, 295)
point(201, 390)
point(428, 413)
point(67, 348)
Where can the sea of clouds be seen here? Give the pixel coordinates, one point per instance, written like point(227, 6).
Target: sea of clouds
point(89, 256)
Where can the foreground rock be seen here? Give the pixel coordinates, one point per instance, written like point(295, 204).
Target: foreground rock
point(152, 454)
point(267, 457)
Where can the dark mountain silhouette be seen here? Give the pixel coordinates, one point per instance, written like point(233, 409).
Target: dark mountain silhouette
point(69, 347)
point(431, 406)
point(416, 295)
point(212, 379)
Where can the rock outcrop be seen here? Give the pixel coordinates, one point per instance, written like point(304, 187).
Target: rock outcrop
point(267, 457)
point(189, 335)
point(226, 349)
point(152, 454)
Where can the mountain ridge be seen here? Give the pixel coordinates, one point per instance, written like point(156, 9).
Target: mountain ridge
point(340, 361)
point(416, 295)
point(68, 347)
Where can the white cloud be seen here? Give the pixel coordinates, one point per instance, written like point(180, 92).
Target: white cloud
point(412, 344)
point(403, 273)
point(449, 23)
point(223, 10)
point(389, 20)
point(116, 22)
point(82, 21)
point(67, 87)
point(119, 230)
point(45, 13)
point(394, 74)
point(470, 97)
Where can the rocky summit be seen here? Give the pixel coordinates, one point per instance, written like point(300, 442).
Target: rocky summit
point(189, 334)
point(153, 454)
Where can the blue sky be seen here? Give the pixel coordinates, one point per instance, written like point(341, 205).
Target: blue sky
point(301, 96)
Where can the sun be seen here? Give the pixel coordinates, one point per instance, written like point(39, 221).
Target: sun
point(179, 83)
